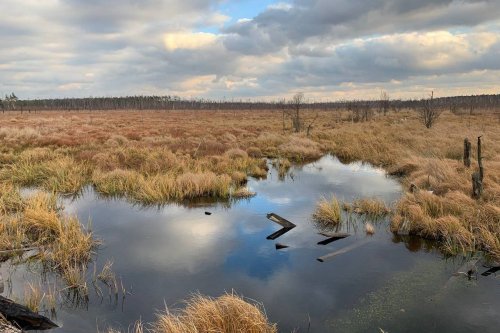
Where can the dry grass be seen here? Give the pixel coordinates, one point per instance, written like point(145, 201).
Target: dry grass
point(155, 157)
point(327, 212)
point(64, 245)
point(243, 192)
point(226, 314)
point(370, 206)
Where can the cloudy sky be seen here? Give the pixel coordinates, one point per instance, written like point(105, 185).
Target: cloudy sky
point(329, 49)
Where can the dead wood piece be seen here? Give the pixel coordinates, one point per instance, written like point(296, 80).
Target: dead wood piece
point(467, 149)
point(6, 327)
point(279, 233)
point(468, 269)
point(21, 316)
point(281, 221)
point(280, 246)
point(342, 251)
point(490, 271)
point(332, 237)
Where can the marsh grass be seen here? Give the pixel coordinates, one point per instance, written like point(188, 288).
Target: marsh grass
point(182, 155)
point(38, 298)
point(64, 245)
point(226, 314)
point(282, 165)
point(372, 207)
point(243, 192)
point(328, 212)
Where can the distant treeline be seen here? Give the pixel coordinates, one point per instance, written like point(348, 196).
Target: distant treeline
point(454, 104)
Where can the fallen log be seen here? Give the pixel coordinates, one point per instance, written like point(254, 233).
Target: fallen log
point(342, 251)
point(332, 237)
point(22, 317)
point(281, 221)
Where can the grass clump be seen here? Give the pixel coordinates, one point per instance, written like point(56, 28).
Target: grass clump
point(10, 199)
point(327, 212)
point(369, 206)
point(62, 241)
point(226, 314)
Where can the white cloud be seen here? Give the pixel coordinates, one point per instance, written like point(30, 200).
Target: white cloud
point(188, 40)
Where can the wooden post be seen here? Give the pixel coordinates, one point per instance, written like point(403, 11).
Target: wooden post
point(480, 158)
point(467, 148)
point(477, 177)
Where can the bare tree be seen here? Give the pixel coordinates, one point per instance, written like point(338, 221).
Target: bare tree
point(296, 104)
point(384, 103)
point(284, 109)
point(429, 113)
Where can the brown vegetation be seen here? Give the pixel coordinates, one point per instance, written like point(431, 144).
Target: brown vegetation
point(327, 212)
point(154, 157)
point(226, 314)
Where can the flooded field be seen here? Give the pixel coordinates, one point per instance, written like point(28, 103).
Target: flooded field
point(161, 255)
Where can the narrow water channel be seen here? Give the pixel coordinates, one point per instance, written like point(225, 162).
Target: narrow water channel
point(164, 254)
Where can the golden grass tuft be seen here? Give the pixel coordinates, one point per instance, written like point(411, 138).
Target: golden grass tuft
point(62, 241)
point(369, 206)
point(299, 148)
point(10, 199)
point(226, 314)
point(327, 212)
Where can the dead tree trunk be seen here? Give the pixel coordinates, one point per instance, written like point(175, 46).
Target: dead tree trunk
point(477, 177)
point(467, 148)
point(23, 317)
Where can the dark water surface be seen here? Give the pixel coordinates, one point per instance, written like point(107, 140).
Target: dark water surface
point(163, 255)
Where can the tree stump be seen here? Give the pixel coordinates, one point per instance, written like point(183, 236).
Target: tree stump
point(467, 149)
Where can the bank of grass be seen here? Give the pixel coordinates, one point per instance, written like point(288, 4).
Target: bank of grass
point(154, 157)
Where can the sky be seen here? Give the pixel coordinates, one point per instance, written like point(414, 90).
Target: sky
point(242, 49)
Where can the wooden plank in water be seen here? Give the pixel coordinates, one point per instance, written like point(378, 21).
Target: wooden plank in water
point(342, 251)
point(490, 271)
point(278, 233)
point(280, 246)
point(281, 221)
point(332, 237)
point(334, 234)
